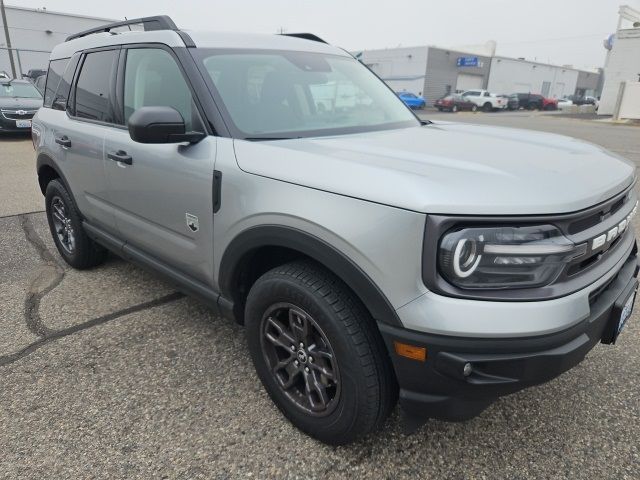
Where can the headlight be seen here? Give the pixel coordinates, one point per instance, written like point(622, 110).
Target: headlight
point(504, 257)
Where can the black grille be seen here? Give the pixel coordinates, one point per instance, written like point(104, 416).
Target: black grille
point(17, 116)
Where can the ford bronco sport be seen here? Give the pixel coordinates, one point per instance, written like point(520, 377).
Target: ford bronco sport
point(370, 256)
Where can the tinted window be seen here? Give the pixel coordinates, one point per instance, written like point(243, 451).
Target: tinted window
point(56, 69)
point(94, 87)
point(152, 78)
point(471, 94)
point(62, 92)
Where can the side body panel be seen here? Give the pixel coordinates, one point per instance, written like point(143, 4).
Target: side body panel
point(384, 242)
point(152, 197)
point(82, 164)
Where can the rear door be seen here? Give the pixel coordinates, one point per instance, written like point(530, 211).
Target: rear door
point(80, 133)
point(163, 199)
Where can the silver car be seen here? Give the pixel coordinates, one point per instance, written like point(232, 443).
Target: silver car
point(371, 256)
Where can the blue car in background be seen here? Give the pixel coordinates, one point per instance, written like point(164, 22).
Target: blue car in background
point(411, 100)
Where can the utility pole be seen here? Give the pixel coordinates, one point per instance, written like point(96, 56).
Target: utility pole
point(6, 34)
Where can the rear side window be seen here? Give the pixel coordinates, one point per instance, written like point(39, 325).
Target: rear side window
point(95, 86)
point(56, 69)
point(62, 92)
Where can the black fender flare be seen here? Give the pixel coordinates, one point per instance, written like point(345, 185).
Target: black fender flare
point(45, 160)
point(313, 247)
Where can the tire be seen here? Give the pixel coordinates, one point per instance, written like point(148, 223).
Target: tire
point(454, 109)
point(73, 244)
point(474, 108)
point(440, 109)
point(299, 294)
point(487, 107)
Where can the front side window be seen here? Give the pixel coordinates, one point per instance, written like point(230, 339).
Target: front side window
point(95, 86)
point(153, 78)
point(300, 94)
point(471, 94)
point(19, 90)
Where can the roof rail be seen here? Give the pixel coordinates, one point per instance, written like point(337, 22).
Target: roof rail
point(306, 36)
point(159, 22)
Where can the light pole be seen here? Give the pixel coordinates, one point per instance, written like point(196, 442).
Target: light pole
point(6, 34)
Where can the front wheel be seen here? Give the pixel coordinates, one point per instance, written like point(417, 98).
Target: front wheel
point(318, 353)
point(487, 107)
point(454, 109)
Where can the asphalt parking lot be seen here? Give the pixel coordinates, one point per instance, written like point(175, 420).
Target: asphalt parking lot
point(110, 373)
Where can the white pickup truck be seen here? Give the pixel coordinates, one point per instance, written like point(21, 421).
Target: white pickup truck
point(485, 100)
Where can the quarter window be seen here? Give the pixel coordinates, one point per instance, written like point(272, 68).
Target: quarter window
point(62, 92)
point(94, 87)
point(153, 79)
point(56, 69)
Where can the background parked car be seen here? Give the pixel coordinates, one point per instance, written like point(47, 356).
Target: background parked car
point(564, 103)
point(454, 103)
point(411, 100)
point(34, 73)
point(535, 101)
point(512, 101)
point(485, 100)
point(19, 101)
point(4, 74)
point(549, 103)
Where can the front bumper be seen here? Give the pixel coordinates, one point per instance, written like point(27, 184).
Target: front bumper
point(438, 387)
point(8, 125)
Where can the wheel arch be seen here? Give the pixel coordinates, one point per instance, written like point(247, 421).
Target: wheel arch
point(242, 264)
point(48, 170)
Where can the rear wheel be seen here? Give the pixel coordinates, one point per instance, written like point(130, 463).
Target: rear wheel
point(474, 108)
point(454, 109)
point(65, 223)
point(487, 107)
point(318, 353)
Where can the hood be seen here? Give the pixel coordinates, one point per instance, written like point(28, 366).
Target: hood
point(20, 103)
point(448, 168)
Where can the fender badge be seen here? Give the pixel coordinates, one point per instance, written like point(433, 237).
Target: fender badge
point(192, 222)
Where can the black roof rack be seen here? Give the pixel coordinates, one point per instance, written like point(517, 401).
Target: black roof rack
point(159, 22)
point(306, 36)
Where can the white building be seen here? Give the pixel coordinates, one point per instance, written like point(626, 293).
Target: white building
point(511, 75)
point(623, 59)
point(34, 32)
point(431, 72)
point(434, 72)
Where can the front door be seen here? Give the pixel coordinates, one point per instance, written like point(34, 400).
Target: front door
point(163, 200)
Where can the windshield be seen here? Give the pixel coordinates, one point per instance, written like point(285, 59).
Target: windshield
point(19, 90)
point(298, 94)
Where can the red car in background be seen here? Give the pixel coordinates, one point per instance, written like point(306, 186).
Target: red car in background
point(549, 103)
point(454, 103)
point(535, 101)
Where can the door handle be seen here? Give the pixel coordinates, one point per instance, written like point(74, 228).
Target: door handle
point(64, 141)
point(120, 156)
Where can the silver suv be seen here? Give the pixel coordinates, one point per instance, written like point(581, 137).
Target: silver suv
point(369, 255)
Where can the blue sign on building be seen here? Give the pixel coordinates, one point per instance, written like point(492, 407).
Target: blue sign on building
point(468, 61)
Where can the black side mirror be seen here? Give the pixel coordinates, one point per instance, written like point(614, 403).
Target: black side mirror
point(160, 125)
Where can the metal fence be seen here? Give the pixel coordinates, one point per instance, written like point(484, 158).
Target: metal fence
point(24, 59)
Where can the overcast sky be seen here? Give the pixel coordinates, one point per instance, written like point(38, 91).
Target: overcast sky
point(556, 31)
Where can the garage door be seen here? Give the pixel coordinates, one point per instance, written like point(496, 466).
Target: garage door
point(467, 81)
